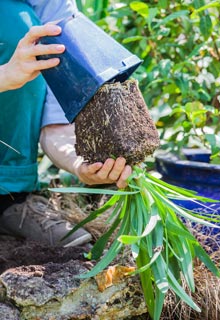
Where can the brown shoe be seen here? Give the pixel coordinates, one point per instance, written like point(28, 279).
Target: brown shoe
point(36, 219)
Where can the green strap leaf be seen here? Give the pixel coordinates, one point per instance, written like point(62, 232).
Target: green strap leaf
point(204, 257)
point(160, 275)
point(100, 244)
point(159, 301)
point(129, 239)
point(181, 211)
point(106, 260)
point(177, 230)
point(93, 215)
point(146, 280)
point(182, 248)
point(7, 145)
point(111, 253)
point(91, 191)
point(176, 287)
point(149, 264)
point(177, 190)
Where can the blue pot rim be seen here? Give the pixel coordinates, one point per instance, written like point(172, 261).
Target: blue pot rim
point(185, 171)
point(167, 157)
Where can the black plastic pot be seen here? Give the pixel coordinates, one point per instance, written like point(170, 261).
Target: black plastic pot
point(91, 59)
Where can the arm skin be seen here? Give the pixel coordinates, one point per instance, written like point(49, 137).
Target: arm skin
point(23, 65)
point(58, 142)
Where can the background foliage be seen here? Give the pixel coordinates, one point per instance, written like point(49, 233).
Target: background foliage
point(180, 75)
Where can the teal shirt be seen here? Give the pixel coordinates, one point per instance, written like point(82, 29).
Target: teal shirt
point(21, 109)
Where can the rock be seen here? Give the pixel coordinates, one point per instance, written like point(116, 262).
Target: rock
point(54, 292)
point(9, 312)
point(2, 292)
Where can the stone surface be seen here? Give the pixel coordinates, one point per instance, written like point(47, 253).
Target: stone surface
point(2, 292)
point(53, 292)
point(8, 312)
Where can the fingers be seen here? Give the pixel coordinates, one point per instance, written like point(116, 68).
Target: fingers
point(28, 50)
point(104, 172)
point(38, 50)
point(122, 181)
point(37, 32)
point(44, 64)
point(28, 56)
point(23, 65)
point(42, 49)
point(90, 169)
point(117, 169)
point(112, 171)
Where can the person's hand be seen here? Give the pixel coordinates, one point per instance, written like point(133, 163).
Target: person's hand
point(58, 143)
point(111, 171)
point(23, 65)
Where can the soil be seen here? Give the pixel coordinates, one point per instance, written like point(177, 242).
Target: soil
point(116, 123)
point(16, 252)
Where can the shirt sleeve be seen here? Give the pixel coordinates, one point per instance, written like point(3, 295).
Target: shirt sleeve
point(52, 111)
point(52, 10)
point(47, 11)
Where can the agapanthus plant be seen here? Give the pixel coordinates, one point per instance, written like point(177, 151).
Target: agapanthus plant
point(144, 215)
point(147, 220)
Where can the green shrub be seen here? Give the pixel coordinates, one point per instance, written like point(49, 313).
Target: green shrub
point(180, 75)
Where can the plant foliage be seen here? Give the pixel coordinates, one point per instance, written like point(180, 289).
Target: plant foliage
point(146, 219)
point(180, 75)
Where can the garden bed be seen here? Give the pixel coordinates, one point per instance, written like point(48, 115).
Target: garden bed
point(37, 282)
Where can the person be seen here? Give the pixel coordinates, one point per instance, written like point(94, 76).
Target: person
point(30, 114)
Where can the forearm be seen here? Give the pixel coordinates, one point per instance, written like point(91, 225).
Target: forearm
point(5, 83)
point(58, 142)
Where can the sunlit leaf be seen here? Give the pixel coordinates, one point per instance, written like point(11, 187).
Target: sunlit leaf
point(140, 7)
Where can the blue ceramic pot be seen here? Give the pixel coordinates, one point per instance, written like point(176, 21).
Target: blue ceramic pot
point(91, 59)
point(200, 176)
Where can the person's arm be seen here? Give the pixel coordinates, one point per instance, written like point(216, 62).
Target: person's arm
point(23, 65)
point(58, 138)
point(58, 141)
